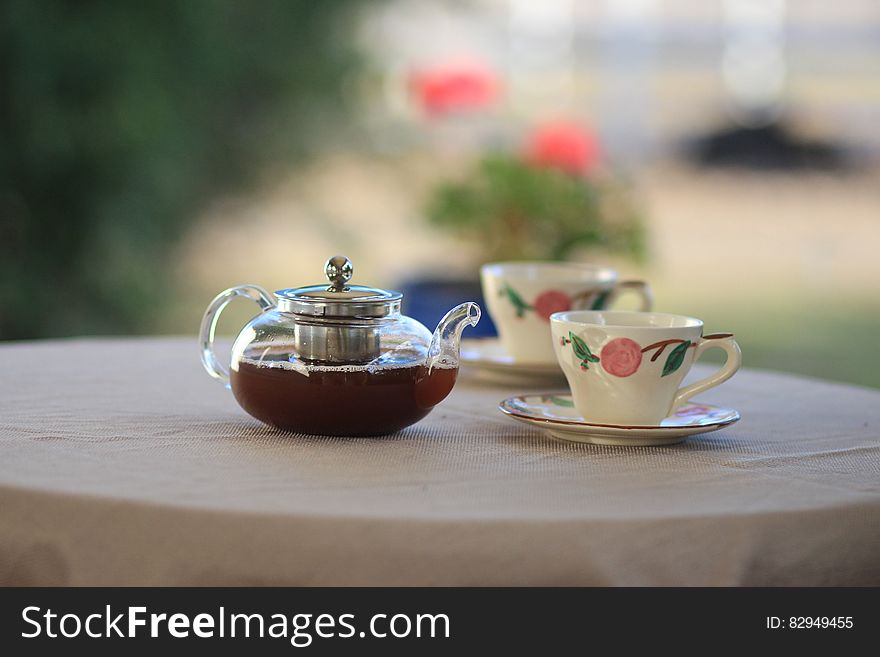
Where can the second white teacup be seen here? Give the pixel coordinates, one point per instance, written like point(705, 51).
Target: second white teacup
point(521, 297)
point(626, 368)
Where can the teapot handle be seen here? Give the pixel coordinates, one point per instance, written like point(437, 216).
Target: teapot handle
point(212, 315)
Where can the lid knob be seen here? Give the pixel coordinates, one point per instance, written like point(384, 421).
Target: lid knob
point(339, 271)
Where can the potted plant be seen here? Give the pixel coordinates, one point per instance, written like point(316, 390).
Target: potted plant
point(550, 201)
point(547, 203)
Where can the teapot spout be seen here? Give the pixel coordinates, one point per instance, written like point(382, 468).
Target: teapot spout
point(444, 351)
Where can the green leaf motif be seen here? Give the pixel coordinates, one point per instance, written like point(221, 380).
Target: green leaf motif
point(517, 301)
point(581, 350)
point(561, 401)
point(676, 358)
point(599, 301)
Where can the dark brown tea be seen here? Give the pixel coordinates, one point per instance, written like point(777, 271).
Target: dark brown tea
point(340, 401)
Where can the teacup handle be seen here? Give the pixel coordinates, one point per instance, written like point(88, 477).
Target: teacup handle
point(640, 287)
point(723, 341)
point(212, 315)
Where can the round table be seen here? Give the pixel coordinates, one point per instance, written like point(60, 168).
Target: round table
point(122, 463)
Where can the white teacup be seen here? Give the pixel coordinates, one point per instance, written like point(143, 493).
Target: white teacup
point(521, 296)
point(626, 368)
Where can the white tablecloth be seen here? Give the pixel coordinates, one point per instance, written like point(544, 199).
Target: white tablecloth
point(121, 462)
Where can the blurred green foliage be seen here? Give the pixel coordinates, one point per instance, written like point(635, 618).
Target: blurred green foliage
point(120, 120)
point(515, 211)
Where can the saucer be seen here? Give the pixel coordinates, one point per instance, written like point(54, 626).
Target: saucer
point(488, 357)
point(557, 414)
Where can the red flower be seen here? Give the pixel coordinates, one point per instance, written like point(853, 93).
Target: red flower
point(453, 87)
point(621, 357)
point(563, 145)
point(551, 301)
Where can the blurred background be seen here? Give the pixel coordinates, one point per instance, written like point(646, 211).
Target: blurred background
point(152, 154)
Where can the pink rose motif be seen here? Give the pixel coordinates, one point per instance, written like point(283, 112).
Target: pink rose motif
point(621, 357)
point(551, 301)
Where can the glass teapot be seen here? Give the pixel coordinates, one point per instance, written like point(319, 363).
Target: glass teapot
point(336, 359)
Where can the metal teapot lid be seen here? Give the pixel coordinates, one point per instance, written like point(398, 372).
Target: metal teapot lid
point(339, 299)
